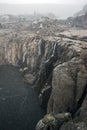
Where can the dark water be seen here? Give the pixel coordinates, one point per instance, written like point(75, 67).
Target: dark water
point(19, 107)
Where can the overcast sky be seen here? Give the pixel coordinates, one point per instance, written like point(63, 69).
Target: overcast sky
point(61, 8)
point(44, 1)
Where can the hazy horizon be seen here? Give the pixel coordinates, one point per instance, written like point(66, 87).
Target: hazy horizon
point(62, 10)
point(44, 1)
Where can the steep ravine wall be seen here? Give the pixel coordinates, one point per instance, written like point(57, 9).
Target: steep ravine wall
point(58, 69)
point(67, 80)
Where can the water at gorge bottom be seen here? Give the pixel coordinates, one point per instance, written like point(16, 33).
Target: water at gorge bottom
point(19, 106)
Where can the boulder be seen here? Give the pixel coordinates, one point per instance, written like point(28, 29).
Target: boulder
point(52, 122)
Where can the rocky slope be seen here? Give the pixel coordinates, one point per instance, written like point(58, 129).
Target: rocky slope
point(79, 20)
point(81, 12)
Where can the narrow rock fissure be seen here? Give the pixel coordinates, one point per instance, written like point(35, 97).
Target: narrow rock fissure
point(79, 103)
point(44, 80)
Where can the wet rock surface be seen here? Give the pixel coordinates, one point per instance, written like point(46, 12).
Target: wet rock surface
point(19, 107)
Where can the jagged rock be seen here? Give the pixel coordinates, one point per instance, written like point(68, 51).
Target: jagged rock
point(80, 19)
point(52, 121)
point(41, 126)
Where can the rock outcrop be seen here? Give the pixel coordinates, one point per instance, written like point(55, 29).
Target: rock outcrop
point(52, 122)
point(79, 20)
point(81, 12)
point(69, 78)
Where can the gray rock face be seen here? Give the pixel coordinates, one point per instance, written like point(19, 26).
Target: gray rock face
point(62, 85)
point(59, 64)
point(79, 21)
point(69, 81)
point(83, 113)
point(66, 57)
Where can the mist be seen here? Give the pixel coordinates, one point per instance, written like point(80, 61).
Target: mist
point(61, 11)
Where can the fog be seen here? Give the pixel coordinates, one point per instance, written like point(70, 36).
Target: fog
point(44, 1)
point(61, 10)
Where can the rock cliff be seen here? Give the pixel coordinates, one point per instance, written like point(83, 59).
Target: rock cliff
point(56, 65)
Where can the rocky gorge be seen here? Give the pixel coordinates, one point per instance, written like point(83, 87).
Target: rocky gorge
point(57, 68)
point(55, 64)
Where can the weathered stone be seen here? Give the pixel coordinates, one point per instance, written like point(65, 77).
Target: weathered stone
point(62, 90)
point(69, 80)
point(41, 126)
point(29, 78)
point(53, 122)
